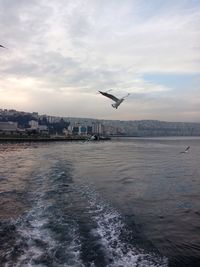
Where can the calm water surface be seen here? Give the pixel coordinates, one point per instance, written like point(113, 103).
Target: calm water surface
point(125, 202)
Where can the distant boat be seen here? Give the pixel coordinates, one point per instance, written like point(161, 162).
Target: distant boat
point(98, 138)
point(186, 150)
point(93, 138)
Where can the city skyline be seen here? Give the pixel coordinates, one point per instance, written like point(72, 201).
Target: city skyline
point(20, 121)
point(60, 54)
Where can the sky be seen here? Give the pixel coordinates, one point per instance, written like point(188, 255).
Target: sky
point(60, 53)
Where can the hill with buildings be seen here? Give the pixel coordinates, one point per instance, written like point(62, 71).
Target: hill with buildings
point(12, 120)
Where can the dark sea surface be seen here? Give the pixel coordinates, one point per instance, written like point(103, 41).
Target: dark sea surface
point(120, 203)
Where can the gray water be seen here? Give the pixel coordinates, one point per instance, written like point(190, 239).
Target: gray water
point(125, 202)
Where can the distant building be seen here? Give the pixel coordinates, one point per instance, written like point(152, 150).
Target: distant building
point(67, 132)
point(8, 127)
point(82, 130)
point(97, 128)
point(70, 129)
point(35, 114)
point(33, 124)
point(75, 130)
point(109, 130)
point(43, 129)
point(89, 129)
point(50, 119)
point(35, 127)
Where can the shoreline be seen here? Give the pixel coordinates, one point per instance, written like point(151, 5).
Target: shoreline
point(14, 139)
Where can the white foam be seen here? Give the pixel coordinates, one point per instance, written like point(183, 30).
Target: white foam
point(36, 240)
point(109, 228)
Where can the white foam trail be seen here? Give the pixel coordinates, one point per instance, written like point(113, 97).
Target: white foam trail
point(34, 233)
point(109, 227)
point(37, 240)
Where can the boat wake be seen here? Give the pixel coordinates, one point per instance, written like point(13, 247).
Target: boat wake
point(111, 234)
point(70, 225)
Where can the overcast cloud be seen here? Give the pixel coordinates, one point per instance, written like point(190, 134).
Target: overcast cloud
point(60, 53)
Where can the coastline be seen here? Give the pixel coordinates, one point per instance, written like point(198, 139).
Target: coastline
point(49, 139)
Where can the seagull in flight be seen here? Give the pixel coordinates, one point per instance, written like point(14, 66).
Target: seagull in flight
point(186, 150)
point(117, 101)
point(3, 46)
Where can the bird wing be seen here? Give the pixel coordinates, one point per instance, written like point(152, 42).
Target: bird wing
point(186, 150)
point(2, 46)
point(109, 96)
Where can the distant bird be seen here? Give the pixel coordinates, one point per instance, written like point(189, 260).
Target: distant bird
point(3, 46)
point(117, 101)
point(186, 150)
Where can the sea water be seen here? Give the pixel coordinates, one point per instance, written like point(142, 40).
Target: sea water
point(124, 202)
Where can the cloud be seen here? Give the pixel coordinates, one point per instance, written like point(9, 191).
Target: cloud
point(67, 50)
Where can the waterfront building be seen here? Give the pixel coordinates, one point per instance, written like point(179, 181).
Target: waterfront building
point(70, 129)
point(67, 132)
point(89, 130)
point(8, 127)
point(33, 124)
point(75, 130)
point(97, 128)
point(82, 130)
point(43, 129)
